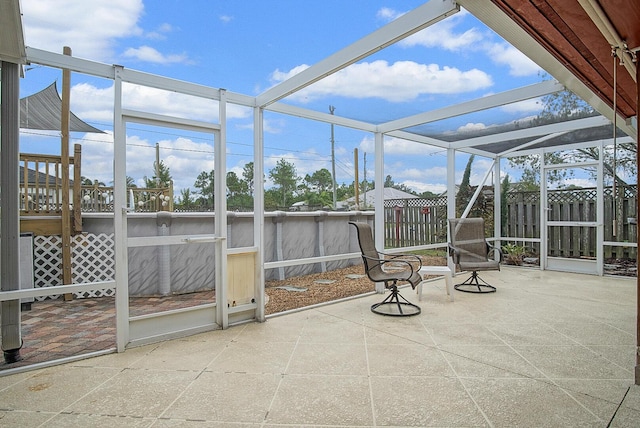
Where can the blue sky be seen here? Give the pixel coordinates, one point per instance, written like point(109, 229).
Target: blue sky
point(248, 46)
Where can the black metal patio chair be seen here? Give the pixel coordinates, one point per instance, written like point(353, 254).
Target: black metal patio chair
point(389, 269)
point(470, 251)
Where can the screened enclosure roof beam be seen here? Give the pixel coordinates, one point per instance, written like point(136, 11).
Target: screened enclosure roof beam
point(572, 125)
point(290, 110)
point(419, 139)
point(404, 26)
point(479, 104)
point(487, 12)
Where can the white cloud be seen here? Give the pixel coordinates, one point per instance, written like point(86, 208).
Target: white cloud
point(90, 28)
point(149, 54)
point(184, 157)
point(444, 35)
point(421, 187)
point(397, 82)
point(519, 64)
point(160, 33)
point(471, 127)
point(226, 18)
point(388, 14)
point(400, 147)
point(527, 106)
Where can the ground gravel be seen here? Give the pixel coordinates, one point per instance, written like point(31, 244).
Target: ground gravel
point(323, 287)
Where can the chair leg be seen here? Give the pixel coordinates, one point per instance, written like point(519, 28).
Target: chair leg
point(395, 305)
point(473, 282)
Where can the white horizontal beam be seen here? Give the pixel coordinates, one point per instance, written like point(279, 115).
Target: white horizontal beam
point(322, 117)
point(479, 104)
point(27, 293)
point(51, 59)
point(487, 12)
point(572, 125)
point(573, 146)
point(151, 241)
point(168, 121)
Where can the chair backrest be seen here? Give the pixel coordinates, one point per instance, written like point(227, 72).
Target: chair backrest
point(467, 235)
point(368, 248)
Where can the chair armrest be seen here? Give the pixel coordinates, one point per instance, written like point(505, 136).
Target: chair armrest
point(393, 259)
point(454, 253)
point(492, 248)
point(407, 258)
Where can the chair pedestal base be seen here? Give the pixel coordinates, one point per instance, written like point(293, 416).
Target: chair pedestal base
point(395, 305)
point(475, 284)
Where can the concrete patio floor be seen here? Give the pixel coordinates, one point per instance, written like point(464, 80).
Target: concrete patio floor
point(547, 349)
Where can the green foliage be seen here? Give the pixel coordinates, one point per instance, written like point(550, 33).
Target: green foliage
point(186, 199)
point(428, 195)
point(205, 184)
point(464, 191)
point(247, 175)
point(236, 186)
point(320, 181)
point(563, 106)
point(504, 190)
point(513, 254)
point(161, 176)
point(284, 177)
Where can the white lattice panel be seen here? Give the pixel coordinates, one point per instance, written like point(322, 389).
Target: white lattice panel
point(92, 260)
point(47, 262)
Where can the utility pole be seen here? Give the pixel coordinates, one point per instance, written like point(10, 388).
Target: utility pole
point(333, 161)
point(364, 185)
point(356, 184)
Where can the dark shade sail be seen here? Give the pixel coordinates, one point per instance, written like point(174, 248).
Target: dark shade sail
point(43, 109)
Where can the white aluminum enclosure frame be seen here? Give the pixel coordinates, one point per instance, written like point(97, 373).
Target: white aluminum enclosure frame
point(594, 267)
point(152, 327)
point(404, 26)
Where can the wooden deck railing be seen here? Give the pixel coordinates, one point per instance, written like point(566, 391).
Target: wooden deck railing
point(41, 190)
point(41, 183)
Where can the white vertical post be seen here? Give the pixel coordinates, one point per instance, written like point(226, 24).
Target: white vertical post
point(544, 213)
point(379, 198)
point(258, 207)
point(220, 200)
point(497, 205)
point(451, 198)
point(120, 214)
point(600, 212)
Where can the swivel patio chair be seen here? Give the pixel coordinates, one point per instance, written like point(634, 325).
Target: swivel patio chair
point(470, 251)
point(389, 269)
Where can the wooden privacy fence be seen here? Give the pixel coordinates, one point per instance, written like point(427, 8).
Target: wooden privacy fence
point(410, 222)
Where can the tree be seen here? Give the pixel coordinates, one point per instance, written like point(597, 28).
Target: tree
point(161, 176)
point(235, 186)
point(563, 106)
point(504, 191)
point(205, 184)
point(85, 181)
point(284, 177)
point(186, 198)
point(428, 195)
point(247, 175)
point(464, 191)
point(320, 181)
